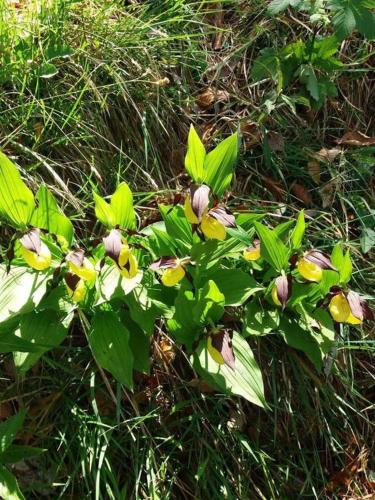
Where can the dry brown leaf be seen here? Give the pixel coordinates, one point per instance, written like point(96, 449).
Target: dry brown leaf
point(275, 141)
point(313, 167)
point(167, 350)
point(328, 192)
point(201, 385)
point(251, 133)
point(210, 96)
point(327, 154)
point(356, 138)
point(302, 193)
point(274, 187)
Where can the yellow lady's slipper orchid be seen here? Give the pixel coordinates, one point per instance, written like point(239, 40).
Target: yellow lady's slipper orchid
point(173, 275)
point(128, 264)
point(76, 287)
point(38, 261)
point(219, 346)
point(189, 214)
point(214, 353)
point(252, 253)
point(340, 310)
point(309, 270)
point(212, 228)
point(274, 296)
point(35, 252)
point(86, 271)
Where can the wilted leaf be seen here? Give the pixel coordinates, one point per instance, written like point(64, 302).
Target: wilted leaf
point(251, 134)
point(328, 192)
point(210, 96)
point(313, 167)
point(356, 138)
point(327, 154)
point(274, 187)
point(302, 193)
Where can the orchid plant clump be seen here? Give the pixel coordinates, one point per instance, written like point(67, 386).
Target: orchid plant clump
point(210, 276)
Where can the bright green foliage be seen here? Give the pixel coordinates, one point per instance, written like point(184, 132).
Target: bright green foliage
point(215, 168)
point(118, 288)
point(16, 199)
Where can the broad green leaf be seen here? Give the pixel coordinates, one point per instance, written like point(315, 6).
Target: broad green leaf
point(20, 290)
point(308, 77)
point(367, 239)
point(195, 156)
point(142, 310)
point(103, 211)
point(210, 304)
point(176, 224)
point(272, 249)
point(46, 329)
point(298, 231)
point(277, 6)
point(346, 269)
point(301, 339)
point(161, 243)
point(48, 216)
point(267, 65)
point(15, 453)
point(245, 380)
point(184, 325)
point(122, 207)
point(112, 285)
point(259, 320)
point(219, 164)
point(16, 199)
point(109, 342)
point(236, 285)
point(139, 342)
point(9, 488)
point(11, 342)
point(9, 429)
point(351, 14)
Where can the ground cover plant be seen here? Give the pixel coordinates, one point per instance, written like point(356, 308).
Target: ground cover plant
point(111, 112)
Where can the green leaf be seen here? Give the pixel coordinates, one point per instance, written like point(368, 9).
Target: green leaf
point(308, 77)
point(9, 429)
point(112, 285)
point(351, 14)
point(122, 207)
point(109, 342)
point(16, 199)
point(245, 380)
point(259, 320)
point(367, 239)
point(15, 453)
point(184, 325)
point(342, 263)
point(48, 216)
point(236, 285)
point(46, 329)
point(139, 342)
point(219, 164)
point(210, 304)
point(10, 342)
point(299, 231)
point(301, 339)
point(272, 249)
point(103, 211)
point(195, 156)
point(277, 6)
point(9, 488)
point(176, 224)
point(47, 70)
point(20, 290)
point(267, 65)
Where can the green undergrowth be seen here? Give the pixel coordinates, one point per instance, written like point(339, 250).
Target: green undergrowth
point(109, 96)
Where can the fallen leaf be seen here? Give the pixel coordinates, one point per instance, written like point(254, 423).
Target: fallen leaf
point(327, 154)
point(6, 410)
point(302, 193)
point(313, 167)
point(275, 141)
point(167, 350)
point(356, 138)
point(201, 385)
point(328, 192)
point(210, 96)
point(274, 187)
point(251, 134)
